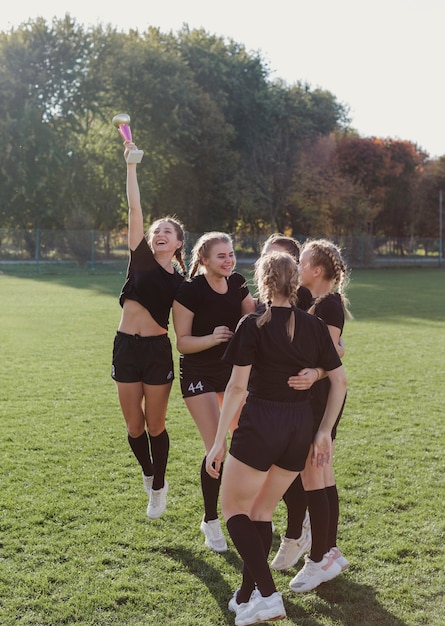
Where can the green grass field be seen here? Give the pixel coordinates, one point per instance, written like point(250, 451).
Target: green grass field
point(75, 545)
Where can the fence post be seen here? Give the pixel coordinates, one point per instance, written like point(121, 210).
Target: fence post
point(38, 250)
point(440, 228)
point(92, 250)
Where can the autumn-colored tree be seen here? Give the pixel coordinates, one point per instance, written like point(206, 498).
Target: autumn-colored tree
point(225, 147)
point(430, 190)
point(326, 201)
point(404, 166)
point(389, 172)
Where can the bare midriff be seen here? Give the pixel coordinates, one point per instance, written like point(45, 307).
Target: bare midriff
point(136, 320)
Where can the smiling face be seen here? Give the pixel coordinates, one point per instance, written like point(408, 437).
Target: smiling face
point(163, 237)
point(220, 260)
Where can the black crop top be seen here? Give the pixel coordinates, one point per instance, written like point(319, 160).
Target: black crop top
point(212, 309)
point(150, 284)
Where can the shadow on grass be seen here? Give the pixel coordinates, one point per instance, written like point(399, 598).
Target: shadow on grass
point(210, 575)
point(341, 601)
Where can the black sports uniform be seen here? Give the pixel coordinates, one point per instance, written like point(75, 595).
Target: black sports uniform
point(275, 426)
point(147, 359)
point(330, 310)
point(304, 298)
point(204, 371)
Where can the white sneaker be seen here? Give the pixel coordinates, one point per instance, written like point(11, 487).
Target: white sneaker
point(148, 483)
point(158, 502)
point(234, 605)
point(313, 574)
point(214, 536)
point(260, 609)
point(307, 522)
point(291, 550)
point(339, 558)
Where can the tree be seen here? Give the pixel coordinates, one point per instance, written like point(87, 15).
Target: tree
point(44, 120)
point(296, 118)
point(328, 202)
point(404, 166)
point(432, 182)
point(221, 141)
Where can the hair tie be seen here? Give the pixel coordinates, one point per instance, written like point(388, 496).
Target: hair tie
point(269, 303)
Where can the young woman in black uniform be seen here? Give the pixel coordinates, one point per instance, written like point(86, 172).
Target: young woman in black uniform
point(323, 271)
point(283, 243)
point(142, 365)
point(206, 311)
point(306, 378)
point(274, 433)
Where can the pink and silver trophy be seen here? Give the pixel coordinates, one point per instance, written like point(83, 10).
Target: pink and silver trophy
point(122, 123)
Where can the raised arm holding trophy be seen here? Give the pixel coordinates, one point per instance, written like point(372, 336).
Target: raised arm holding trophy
point(122, 123)
point(142, 362)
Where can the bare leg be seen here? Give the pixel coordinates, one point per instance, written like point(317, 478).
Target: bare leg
point(248, 499)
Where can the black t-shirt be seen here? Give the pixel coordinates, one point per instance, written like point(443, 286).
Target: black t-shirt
point(330, 310)
point(150, 284)
point(274, 358)
point(212, 309)
point(304, 298)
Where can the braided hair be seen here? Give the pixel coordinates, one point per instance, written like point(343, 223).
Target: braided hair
point(291, 245)
point(201, 249)
point(180, 234)
point(325, 254)
point(276, 274)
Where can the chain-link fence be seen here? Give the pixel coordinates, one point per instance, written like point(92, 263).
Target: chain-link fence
point(66, 251)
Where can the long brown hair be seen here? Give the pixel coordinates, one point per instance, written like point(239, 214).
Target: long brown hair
point(180, 234)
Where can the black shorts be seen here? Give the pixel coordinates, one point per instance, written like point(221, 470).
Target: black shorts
point(197, 378)
point(273, 433)
point(142, 359)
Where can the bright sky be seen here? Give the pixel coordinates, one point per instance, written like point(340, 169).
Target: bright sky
point(384, 59)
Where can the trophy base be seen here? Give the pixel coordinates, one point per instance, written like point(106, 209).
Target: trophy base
point(135, 156)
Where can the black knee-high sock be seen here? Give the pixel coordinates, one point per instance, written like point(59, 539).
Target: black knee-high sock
point(334, 512)
point(141, 451)
point(248, 541)
point(210, 492)
point(248, 584)
point(160, 446)
point(319, 513)
point(265, 532)
point(296, 502)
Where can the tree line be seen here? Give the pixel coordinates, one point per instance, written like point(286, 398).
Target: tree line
point(225, 146)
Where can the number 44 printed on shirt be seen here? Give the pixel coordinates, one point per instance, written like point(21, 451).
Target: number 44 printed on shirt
point(197, 387)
